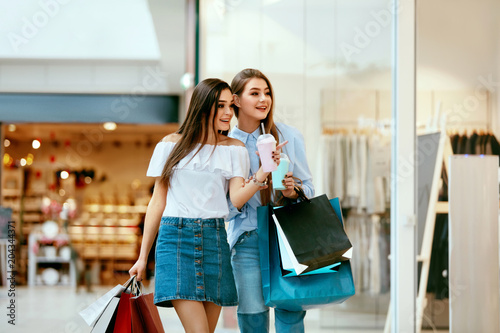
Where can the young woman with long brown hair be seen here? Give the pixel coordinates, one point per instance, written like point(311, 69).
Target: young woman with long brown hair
point(253, 100)
point(194, 169)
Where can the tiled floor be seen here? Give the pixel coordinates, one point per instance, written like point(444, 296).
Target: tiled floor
point(55, 309)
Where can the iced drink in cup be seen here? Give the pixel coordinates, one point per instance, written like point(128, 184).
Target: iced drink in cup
point(279, 174)
point(266, 144)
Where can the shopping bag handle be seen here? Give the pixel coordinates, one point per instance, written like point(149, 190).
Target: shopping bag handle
point(137, 287)
point(129, 282)
point(301, 193)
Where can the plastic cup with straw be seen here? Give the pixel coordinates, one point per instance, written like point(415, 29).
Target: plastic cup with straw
point(266, 144)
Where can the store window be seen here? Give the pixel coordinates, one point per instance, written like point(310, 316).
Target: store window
point(330, 66)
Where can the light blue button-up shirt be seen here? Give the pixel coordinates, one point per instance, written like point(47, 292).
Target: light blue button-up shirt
point(246, 219)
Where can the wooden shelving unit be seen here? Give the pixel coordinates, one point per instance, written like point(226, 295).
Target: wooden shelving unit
point(108, 236)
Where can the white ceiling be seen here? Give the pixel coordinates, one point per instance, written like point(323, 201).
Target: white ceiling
point(78, 29)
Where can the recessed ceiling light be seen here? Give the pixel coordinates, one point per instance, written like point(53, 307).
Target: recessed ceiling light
point(36, 144)
point(109, 126)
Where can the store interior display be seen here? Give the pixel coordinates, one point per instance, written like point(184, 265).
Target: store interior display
point(78, 197)
point(355, 166)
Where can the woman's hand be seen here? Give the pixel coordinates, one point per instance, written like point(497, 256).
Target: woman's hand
point(276, 153)
point(289, 184)
point(138, 269)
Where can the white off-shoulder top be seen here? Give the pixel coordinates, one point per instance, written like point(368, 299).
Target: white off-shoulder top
point(199, 184)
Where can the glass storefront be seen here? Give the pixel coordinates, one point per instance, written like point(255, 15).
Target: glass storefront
point(330, 66)
point(334, 67)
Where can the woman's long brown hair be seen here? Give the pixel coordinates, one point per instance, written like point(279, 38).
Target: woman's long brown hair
point(195, 128)
point(238, 85)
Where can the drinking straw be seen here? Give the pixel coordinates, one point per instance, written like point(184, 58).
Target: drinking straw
point(262, 126)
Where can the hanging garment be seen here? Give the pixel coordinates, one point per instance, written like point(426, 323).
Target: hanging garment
point(454, 143)
point(495, 147)
point(339, 172)
point(352, 172)
point(471, 144)
point(462, 144)
point(480, 145)
point(363, 166)
point(374, 255)
point(365, 260)
point(385, 250)
point(370, 179)
point(487, 145)
point(353, 231)
point(438, 269)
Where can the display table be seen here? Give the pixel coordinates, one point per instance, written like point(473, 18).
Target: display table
point(50, 264)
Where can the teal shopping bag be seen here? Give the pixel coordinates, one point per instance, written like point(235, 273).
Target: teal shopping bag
point(298, 293)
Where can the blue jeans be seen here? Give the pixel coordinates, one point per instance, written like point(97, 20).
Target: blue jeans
point(253, 314)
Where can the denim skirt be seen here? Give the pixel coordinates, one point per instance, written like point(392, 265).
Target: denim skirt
point(192, 262)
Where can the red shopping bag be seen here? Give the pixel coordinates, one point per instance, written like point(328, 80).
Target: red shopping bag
point(123, 322)
point(145, 315)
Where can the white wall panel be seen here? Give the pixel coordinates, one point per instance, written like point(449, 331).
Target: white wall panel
point(116, 75)
point(22, 75)
point(473, 244)
point(78, 75)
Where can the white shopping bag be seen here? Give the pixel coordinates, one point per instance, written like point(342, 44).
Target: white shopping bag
point(92, 313)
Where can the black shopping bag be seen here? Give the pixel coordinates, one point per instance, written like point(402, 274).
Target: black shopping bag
point(314, 232)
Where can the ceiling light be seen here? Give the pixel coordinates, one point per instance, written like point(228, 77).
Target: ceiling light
point(6, 142)
point(109, 126)
point(11, 128)
point(36, 144)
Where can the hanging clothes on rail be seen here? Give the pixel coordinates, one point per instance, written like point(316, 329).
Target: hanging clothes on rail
point(477, 143)
point(355, 167)
point(370, 237)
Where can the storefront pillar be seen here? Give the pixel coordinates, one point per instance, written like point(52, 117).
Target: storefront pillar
point(403, 170)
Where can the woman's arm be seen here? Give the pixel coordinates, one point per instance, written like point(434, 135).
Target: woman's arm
point(240, 191)
point(152, 220)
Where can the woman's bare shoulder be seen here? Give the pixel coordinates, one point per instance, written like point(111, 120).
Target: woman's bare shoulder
point(232, 142)
point(174, 137)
